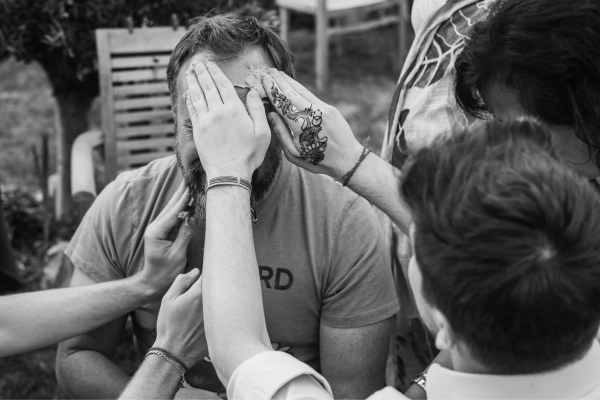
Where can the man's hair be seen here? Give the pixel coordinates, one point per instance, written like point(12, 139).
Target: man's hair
point(549, 51)
point(506, 240)
point(227, 36)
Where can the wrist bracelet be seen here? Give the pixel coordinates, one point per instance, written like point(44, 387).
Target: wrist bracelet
point(228, 180)
point(232, 181)
point(176, 362)
point(346, 178)
point(421, 380)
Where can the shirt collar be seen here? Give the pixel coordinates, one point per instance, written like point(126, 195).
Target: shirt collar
point(573, 381)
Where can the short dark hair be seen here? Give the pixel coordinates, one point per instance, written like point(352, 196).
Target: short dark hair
point(549, 51)
point(227, 36)
point(507, 243)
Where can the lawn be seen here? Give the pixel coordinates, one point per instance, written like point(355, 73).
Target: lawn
point(363, 79)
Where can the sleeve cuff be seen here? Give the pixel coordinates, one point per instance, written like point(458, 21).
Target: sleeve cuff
point(263, 375)
point(369, 318)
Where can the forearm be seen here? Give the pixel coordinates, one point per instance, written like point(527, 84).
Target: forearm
point(155, 379)
point(90, 374)
point(232, 298)
point(379, 183)
point(64, 313)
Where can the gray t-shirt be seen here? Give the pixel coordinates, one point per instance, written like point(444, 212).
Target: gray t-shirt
point(320, 250)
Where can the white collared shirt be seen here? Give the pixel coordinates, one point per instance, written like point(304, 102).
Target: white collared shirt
point(277, 375)
point(580, 380)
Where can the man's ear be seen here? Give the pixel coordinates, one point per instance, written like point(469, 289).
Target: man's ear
point(445, 338)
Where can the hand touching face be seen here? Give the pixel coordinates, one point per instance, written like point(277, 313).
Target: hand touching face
point(230, 140)
point(314, 135)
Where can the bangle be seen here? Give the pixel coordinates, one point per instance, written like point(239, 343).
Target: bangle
point(346, 178)
point(228, 180)
point(232, 181)
point(176, 362)
point(421, 380)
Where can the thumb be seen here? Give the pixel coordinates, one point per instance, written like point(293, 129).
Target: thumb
point(256, 109)
point(284, 134)
point(186, 231)
point(182, 283)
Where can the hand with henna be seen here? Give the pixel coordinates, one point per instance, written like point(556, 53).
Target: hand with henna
point(314, 135)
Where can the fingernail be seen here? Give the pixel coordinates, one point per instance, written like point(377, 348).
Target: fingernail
point(193, 221)
point(252, 93)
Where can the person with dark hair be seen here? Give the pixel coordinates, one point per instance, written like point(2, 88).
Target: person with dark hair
point(539, 58)
point(505, 270)
point(320, 249)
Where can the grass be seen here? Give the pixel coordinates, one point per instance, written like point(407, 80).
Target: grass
point(362, 83)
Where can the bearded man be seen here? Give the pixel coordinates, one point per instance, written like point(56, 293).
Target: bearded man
point(327, 284)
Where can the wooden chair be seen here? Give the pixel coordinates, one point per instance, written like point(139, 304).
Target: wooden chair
point(137, 124)
point(339, 17)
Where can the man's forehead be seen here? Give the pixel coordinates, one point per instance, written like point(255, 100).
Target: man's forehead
point(236, 69)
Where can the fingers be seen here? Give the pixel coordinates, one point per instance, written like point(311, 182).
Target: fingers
point(184, 235)
point(196, 289)
point(256, 109)
point(211, 92)
point(282, 131)
point(287, 102)
point(195, 100)
point(223, 84)
point(182, 283)
point(304, 92)
point(170, 220)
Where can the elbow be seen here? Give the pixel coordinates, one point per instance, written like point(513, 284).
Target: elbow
point(65, 367)
point(62, 359)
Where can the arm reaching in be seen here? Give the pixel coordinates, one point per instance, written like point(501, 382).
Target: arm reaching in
point(316, 137)
point(179, 333)
point(233, 142)
point(65, 313)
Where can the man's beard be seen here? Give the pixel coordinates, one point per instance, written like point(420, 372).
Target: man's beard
point(262, 178)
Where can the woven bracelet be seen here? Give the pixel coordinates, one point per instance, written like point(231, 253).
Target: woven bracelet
point(346, 178)
point(176, 362)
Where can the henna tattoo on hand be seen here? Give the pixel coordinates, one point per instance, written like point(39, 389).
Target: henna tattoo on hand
point(312, 147)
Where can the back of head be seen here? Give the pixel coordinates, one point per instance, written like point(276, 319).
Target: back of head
point(226, 37)
point(507, 244)
point(548, 51)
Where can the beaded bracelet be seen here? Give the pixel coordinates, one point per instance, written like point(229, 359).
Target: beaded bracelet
point(176, 362)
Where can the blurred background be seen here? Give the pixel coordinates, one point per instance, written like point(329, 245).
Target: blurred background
point(49, 88)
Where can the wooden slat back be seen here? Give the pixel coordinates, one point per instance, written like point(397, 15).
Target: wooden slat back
point(136, 111)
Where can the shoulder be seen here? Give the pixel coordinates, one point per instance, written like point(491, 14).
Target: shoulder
point(156, 172)
point(134, 195)
point(142, 185)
